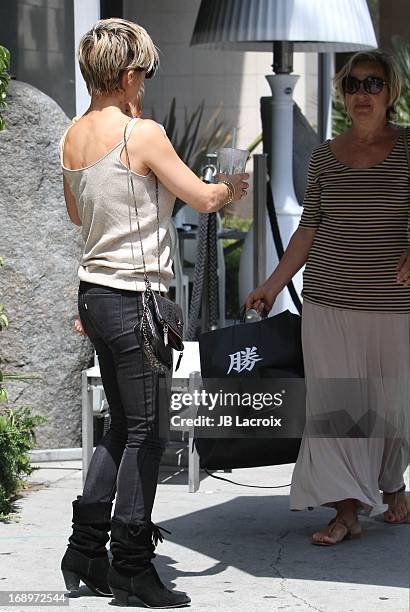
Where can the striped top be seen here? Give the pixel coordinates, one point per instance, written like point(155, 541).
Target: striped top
point(361, 216)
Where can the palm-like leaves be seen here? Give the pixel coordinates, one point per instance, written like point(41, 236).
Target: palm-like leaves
point(402, 54)
point(196, 141)
point(4, 80)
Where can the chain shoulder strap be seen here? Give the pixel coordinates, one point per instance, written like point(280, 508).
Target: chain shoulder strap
point(131, 185)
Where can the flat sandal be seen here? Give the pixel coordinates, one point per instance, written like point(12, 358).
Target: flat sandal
point(405, 518)
point(352, 532)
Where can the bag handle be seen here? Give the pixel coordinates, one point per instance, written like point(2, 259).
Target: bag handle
point(131, 183)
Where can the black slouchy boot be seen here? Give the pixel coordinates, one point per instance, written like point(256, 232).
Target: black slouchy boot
point(132, 573)
point(86, 556)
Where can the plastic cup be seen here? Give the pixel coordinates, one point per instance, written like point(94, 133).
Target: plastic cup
point(232, 161)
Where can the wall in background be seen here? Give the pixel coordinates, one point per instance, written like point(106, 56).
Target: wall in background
point(192, 74)
point(40, 36)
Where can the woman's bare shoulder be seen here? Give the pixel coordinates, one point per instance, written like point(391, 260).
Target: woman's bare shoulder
point(150, 127)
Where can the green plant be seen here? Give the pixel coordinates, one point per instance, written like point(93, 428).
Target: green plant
point(340, 119)
point(4, 80)
point(17, 437)
point(4, 323)
point(196, 140)
point(232, 261)
point(401, 50)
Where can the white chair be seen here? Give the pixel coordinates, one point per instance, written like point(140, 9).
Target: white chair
point(94, 403)
point(190, 370)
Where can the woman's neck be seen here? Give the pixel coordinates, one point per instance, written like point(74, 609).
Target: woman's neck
point(368, 132)
point(107, 103)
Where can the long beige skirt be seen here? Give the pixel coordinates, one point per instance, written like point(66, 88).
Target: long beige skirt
point(356, 441)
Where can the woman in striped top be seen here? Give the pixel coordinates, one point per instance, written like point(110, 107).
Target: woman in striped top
point(353, 237)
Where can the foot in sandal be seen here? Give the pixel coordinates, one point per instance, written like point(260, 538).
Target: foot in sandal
point(343, 526)
point(399, 506)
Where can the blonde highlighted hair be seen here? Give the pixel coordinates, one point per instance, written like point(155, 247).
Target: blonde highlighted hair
point(109, 48)
point(390, 67)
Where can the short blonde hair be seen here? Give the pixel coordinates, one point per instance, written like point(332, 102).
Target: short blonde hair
point(109, 48)
point(391, 69)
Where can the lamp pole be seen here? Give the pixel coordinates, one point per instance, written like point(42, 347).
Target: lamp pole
point(288, 211)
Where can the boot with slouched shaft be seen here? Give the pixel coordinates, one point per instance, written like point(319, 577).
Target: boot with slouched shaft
point(132, 574)
point(86, 557)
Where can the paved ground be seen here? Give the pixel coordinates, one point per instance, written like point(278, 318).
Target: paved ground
point(231, 548)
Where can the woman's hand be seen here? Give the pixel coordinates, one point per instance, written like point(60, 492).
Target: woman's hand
point(78, 326)
point(262, 298)
point(403, 269)
point(239, 183)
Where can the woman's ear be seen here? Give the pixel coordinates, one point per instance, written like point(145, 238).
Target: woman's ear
point(127, 78)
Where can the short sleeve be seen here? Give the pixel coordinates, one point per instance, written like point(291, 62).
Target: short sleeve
point(311, 214)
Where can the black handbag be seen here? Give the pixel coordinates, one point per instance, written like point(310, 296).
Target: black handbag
point(160, 328)
point(267, 350)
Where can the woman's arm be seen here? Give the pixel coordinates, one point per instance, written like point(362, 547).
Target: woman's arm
point(71, 205)
point(151, 145)
point(295, 256)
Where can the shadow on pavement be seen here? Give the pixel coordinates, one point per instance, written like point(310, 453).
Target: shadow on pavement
point(260, 536)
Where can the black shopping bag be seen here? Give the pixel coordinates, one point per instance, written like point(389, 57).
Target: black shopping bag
point(238, 360)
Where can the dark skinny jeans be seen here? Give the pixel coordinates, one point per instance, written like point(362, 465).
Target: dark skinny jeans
point(126, 461)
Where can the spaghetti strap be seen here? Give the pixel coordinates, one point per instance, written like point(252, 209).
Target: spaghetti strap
point(129, 127)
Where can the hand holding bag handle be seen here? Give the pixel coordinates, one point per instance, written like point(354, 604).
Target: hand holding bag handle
point(161, 326)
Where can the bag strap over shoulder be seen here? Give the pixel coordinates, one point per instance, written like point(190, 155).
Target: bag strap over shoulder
point(129, 127)
point(127, 131)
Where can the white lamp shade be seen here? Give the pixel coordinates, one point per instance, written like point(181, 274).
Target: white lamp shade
point(312, 25)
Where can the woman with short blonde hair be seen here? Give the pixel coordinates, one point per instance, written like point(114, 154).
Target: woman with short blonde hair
point(116, 56)
point(109, 48)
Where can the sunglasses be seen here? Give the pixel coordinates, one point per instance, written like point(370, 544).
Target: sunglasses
point(150, 73)
point(371, 84)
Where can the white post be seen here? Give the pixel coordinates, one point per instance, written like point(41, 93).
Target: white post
point(287, 208)
point(86, 13)
point(325, 74)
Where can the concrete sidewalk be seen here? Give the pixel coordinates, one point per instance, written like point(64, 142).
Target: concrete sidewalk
point(231, 548)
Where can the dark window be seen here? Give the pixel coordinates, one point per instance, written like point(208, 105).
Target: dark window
point(111, 8)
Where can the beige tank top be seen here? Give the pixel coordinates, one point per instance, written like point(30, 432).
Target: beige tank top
point(109, 227)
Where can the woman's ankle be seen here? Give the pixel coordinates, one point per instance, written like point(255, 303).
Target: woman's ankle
point(401, 490)
point(347, 508)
